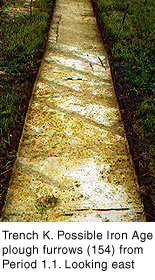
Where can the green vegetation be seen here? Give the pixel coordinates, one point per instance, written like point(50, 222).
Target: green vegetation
point(128, 28)
point(24, 31)
point(22, 45)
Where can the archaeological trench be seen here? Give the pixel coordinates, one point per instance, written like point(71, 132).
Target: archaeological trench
point(73, 162)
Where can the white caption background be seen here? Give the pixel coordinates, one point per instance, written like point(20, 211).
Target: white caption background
point(73, 250)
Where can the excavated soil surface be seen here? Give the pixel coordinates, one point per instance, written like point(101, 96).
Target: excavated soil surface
point(73, 161)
